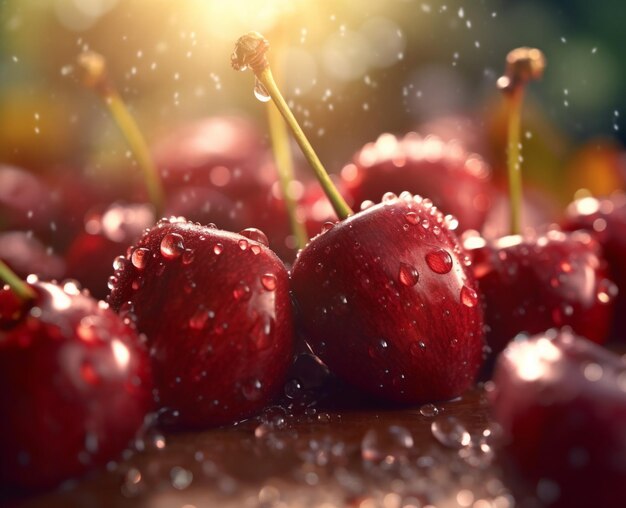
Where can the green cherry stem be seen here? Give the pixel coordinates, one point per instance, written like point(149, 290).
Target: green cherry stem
point(17, 285)
point(250, 51)
point(522, 65)
point(284, 165)
point(95, 76)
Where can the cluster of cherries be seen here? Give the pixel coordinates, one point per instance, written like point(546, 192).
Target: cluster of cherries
point(200, 322)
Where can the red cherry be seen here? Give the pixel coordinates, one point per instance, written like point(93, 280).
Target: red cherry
point(561, 402)
point(530, 284)
point(216, 310)
point(457, 182)
point(605, 219)
point(219, 152)
point(107, 235)
point(75, 386)
point(25, 202)
point(25, 254)
point(387, 302)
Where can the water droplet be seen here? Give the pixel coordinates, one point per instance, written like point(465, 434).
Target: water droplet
point(367, 204)
point(607, 291)
point(439, 261)
point(255, 234)
point(181, 478)
point(199, 319)
point(429, 410)
point(450, 432)
point(469, 297)
point(412, 217)
point(416, 348)
point(243, 244)
point(242, 292)
point(387, 447)
point(139, 258)
point(172, 246)
point(218, 248)
point(408, 275)
point(268, 281)
point(188, 256)
point(376, 350)
point(389, 197)
point(252, 389)
point(260, 92)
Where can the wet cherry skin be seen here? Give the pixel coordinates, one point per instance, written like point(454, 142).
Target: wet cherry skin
point(75, 385)
point(386, 300)
point(561, 402)
point(532, 283)
point(457, 182)
point(605, 219)
point(215, 307)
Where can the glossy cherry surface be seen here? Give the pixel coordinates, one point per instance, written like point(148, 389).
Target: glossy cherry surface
point(561, 402)
point(216, 310)
point(387, 302)
point(75, 386)
point(530, 284)
point(605, 219)
point(457, 182)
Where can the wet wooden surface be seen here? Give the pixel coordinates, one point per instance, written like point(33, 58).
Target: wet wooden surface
point(325, 447)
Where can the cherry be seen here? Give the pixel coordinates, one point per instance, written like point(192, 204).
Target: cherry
point(75, 385)
point(532, 283)
point(216, 310)
point(605, 219)
point(387, 302)
point(107, 235)
point(457, 182)
point(26, 255)
point(384, 296)
point(561, 402)
point(25, 202)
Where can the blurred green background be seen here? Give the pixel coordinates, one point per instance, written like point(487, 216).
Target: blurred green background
point(351, 68)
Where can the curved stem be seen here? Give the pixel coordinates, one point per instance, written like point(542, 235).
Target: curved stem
point(514, 103)
point(17, 285)
point(339, 204)
point(284, 165)
point(131, 132)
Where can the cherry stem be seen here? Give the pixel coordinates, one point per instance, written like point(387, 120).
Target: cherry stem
point(250, 52)
point(522, 65)
point(96, 77)
point(284, 165)
point(17, 285)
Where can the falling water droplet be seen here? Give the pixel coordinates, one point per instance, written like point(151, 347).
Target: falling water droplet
point(439, 261)
point(408, 275)
point(260, 92)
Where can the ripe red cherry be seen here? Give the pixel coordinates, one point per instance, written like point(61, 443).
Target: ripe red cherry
point(561, 402)
point(25, 254)
point(387, 302)
point(75, 386)
point(216, 310)
point(605, 219)
point(107, 235)
point(530, 284)
point(457, 182)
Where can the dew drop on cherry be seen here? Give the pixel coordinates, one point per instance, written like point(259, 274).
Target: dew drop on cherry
point(439, 261)
point(218, 248)
point(469, 297)
point(172, 246)
point(256, 235)
point(268, 281)
point(408, 275)
point(139, 258)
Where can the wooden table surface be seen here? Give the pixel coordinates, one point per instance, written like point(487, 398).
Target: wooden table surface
point(323, 447)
